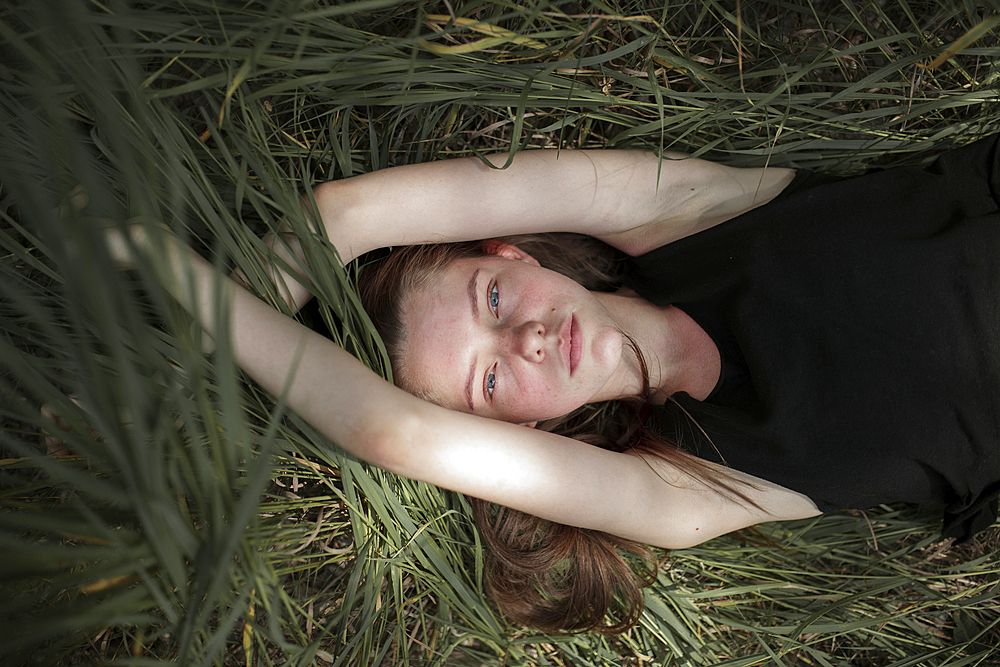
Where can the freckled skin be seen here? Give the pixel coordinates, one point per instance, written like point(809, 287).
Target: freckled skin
point(522, 343)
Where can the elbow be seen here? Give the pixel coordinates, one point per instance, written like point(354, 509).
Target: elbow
point(325, 191)
point(333, 197)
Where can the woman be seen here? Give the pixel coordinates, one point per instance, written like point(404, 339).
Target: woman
point(835, 343)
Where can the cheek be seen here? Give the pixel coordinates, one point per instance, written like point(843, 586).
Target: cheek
point(541, 397)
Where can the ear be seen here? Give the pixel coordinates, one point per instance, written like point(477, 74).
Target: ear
point(528, 424)
point(509, 251)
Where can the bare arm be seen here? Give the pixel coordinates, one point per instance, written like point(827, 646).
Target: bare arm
point(631, 199)
point(540, 473)
point(570, 482)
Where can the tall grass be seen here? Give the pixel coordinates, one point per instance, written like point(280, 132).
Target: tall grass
point(200, 523)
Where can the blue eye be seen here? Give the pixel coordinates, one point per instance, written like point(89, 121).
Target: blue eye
point(494, 298)
point(491, 381)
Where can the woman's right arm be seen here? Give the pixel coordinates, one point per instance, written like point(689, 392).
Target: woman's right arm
point(318, 380)
point(631, 199)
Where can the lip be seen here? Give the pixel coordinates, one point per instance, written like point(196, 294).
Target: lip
point(566, 343)
point(575, 349)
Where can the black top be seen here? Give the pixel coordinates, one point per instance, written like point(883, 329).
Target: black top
point(859, 325)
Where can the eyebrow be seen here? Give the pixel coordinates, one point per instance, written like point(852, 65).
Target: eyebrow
point(474, 303)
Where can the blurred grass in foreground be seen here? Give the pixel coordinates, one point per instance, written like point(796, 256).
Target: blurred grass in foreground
point(203, 525)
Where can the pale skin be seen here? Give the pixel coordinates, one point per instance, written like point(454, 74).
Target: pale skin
point(629, 199)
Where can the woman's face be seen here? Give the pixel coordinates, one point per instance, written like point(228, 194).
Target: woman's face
point(501, 337)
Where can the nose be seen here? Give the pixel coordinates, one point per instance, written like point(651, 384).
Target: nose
point(528, 341)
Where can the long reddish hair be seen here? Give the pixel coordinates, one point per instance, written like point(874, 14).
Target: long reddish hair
point(540, 573)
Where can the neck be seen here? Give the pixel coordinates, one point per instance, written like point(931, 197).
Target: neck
point(679, 355)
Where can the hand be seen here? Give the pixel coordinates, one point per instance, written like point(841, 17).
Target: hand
point(74, 202)
point(128, 241)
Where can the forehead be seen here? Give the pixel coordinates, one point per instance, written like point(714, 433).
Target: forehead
point(438, 324)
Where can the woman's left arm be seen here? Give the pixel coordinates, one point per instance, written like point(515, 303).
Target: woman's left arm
point(641, 498)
